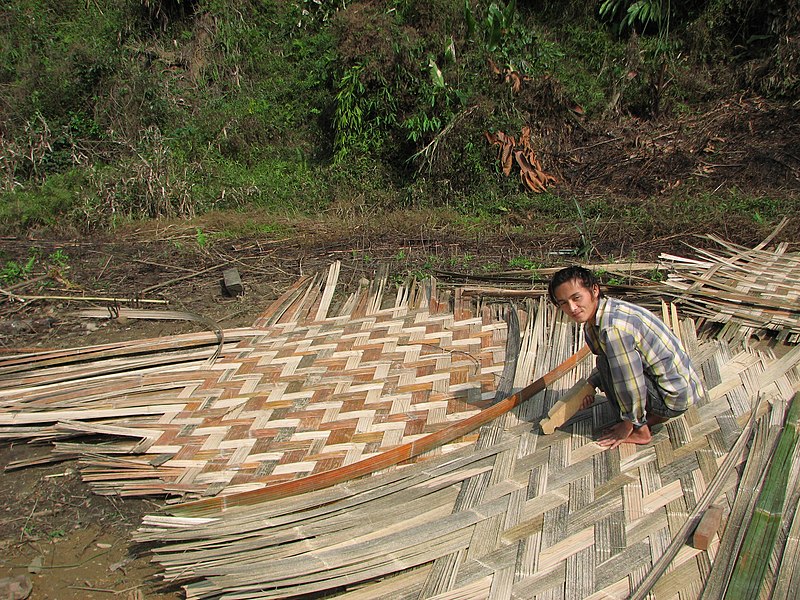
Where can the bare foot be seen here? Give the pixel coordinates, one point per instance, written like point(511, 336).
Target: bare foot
point(624, 433)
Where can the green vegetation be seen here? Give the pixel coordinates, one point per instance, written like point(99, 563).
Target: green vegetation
point(13, 271)
point(58, 258)
point(520, 262)
point(115, 112)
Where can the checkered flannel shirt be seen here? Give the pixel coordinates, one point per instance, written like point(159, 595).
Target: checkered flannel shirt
point(637, 343)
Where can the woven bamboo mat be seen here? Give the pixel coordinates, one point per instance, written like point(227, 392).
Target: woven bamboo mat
point(513, 515)
point(750, 288)
point(321, 382)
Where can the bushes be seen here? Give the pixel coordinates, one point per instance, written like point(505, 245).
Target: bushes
point(174, 107)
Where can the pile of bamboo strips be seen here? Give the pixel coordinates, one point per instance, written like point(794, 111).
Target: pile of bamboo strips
point(761, 552)
point(749, 290)
point(753, 289)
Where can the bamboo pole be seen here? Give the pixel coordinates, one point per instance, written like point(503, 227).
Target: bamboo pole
point(113, 299)
point(751, 565)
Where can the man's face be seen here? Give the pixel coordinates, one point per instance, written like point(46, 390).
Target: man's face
point(577, 301)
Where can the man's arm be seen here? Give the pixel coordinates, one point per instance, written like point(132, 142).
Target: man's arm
point(594, 379)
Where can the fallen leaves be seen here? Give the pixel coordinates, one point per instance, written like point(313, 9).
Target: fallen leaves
point(509, 75)
point(520, 151)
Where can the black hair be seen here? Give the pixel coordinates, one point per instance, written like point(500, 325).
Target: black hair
point(585, 276)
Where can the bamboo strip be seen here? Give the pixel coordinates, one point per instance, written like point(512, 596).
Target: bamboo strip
point(60, 358)
point(785, 558)
point(330, 288)
point(160, 315)
point(788, 577)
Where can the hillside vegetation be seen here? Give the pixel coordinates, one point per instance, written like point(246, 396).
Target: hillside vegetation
point(619, 118)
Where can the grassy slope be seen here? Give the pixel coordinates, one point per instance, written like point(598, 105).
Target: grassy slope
point(120, 111)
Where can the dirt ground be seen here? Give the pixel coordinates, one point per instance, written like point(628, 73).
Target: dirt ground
point(69, 542)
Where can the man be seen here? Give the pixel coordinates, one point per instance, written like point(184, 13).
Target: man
point(640, 364)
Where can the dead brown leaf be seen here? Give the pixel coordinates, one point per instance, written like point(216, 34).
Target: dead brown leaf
point(510, 150)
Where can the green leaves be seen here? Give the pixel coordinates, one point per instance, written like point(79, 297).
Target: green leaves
point(645, 12)
point(627, 14)
point(349, 118)
point(437, 79)
point(499, 21)
point(471, 24)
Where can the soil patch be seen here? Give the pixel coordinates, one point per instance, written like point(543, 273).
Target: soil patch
point(70, 543)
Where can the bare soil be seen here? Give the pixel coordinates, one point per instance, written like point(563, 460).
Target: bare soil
point(69, 542)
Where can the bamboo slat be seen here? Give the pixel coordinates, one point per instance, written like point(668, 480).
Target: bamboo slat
point(688, 525)
point(752, 561)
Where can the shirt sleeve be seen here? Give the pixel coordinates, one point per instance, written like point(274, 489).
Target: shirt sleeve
point(594, 379)
point(627, 375)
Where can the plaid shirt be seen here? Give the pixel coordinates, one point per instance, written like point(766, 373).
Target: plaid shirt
point(637, 343)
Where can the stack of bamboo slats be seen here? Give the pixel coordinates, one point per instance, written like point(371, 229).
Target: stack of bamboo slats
point(753, 289)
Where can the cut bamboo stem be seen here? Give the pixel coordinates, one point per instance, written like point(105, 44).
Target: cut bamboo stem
point(751, 565)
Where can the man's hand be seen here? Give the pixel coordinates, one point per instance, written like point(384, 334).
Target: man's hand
point(588, 400)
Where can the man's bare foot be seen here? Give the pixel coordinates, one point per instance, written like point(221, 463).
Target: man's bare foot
point(655, 420)
point(624, 433)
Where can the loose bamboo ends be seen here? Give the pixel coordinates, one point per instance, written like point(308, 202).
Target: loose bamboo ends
point(567, 406)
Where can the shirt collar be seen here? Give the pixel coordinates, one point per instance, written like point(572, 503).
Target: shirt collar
point(601, 308)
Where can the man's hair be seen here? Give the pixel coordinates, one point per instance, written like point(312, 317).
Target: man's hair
point(585, 276)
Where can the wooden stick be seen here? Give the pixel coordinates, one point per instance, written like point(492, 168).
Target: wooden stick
point(568, 405)
point(83, 298)
point(182, 277)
